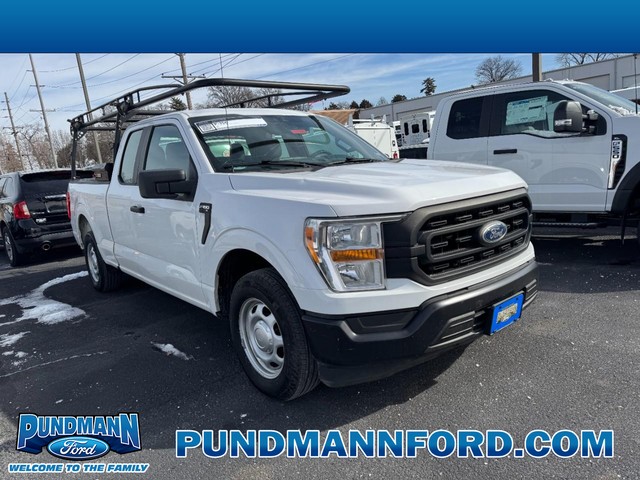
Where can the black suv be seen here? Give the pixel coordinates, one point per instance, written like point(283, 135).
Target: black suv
point(34, 212)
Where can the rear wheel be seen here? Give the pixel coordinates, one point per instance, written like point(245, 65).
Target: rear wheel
point(104, 278)
point(268, 336)
point(15, 257)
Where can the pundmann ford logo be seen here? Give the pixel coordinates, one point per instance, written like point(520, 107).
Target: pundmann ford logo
point(492, 232)
point(79, 438)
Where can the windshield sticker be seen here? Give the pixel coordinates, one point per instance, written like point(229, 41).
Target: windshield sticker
point(527, 111)
point(207, 126)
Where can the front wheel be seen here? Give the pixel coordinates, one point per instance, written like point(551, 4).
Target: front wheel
point(268, 336)
point(104, 278)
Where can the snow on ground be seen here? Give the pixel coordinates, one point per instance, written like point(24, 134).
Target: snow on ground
point(20, 354)
point(42, 309)
point(169, 349)
point(7, 340)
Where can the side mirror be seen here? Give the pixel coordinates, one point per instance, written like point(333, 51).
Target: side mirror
point(165, 183)
point(568, 117)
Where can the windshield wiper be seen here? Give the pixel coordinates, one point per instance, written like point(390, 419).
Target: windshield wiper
point(273, 163)
point(356, 160)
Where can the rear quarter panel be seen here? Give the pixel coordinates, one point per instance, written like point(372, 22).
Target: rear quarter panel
point(88, 201)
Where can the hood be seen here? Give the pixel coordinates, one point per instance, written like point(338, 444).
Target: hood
point(379, 188)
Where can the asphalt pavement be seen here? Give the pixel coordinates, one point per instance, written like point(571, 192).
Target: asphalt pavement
point(571, 362)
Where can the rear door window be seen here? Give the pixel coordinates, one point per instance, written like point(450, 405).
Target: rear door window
point(127, 168)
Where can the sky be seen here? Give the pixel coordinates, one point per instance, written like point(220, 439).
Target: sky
point(369, 76)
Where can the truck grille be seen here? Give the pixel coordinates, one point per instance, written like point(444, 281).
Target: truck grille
point(444, 242)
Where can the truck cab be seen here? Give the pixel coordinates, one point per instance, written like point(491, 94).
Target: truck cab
point(580, 173)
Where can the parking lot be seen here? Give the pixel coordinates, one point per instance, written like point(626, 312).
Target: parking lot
point(570, 362)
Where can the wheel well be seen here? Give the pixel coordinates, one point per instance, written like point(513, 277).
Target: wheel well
point(234, 266)
point(83, 224)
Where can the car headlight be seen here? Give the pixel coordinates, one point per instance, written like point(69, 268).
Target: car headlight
point(348, 253)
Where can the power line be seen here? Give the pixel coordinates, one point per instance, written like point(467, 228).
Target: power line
point(214, 60)
point(20, 84)
point(25, 96)
point(99, 74)
point(71, 68)
point(24, 61)
point(133, 74)
point(306, 66)
point(121, 78)
point(231, 61)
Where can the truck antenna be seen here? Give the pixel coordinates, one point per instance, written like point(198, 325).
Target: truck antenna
point(635, 78)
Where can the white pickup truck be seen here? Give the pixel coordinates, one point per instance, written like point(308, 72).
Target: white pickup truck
point(330, 261)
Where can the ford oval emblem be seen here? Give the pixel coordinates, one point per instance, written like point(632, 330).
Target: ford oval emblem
point(78, 448)
point(493, 232)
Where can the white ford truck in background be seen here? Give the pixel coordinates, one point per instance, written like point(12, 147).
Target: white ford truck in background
point(330, 261)
point(577, 146)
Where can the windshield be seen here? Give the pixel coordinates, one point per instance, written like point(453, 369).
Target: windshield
point(611, 100)
point(237, 143)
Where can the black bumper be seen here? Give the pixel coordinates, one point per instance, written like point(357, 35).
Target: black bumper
point(353, 349)
point(32, 238)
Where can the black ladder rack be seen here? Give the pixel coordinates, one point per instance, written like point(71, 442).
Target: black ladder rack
point(131, 107)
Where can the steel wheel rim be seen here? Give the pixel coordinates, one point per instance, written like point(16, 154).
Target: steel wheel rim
point(261, 338)
point(8, 246)
point(92, 260)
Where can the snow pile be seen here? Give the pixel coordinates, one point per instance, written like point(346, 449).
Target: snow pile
point(42, 309)
point(169, 349)
point(7, 340)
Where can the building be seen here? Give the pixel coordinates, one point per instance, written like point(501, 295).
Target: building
point(613, 74)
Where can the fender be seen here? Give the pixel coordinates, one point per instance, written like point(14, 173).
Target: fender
point(296, 268)
point(626, 187)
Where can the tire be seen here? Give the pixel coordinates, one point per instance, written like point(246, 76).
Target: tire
point(15, 257)
point(104, 278)
point(268, 336)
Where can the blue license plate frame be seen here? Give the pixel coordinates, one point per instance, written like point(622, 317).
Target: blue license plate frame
point(506, 312)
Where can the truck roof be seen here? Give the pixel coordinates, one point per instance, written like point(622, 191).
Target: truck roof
point(511, 86)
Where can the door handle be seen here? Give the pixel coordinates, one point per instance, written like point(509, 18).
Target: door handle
point(136, 209)
point(506, 150)
point(206, 209)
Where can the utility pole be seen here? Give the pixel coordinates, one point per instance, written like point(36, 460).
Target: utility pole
point(536, 67)
point(44, 112)
point(184, 78)
point(86, 100)
point(183, 66)
point(13, 128)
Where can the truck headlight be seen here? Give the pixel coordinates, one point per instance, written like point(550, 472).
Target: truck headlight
point(348, 253)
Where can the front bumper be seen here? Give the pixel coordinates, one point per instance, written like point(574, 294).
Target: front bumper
point(355, 348)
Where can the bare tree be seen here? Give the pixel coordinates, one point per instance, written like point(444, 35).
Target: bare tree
point(381, 101)
point(496, 69)
point(9, 161)
point(37, 146)
point(227, 95)
point(570, 59)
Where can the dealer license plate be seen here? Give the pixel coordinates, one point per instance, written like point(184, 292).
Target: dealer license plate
point(505, 313)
